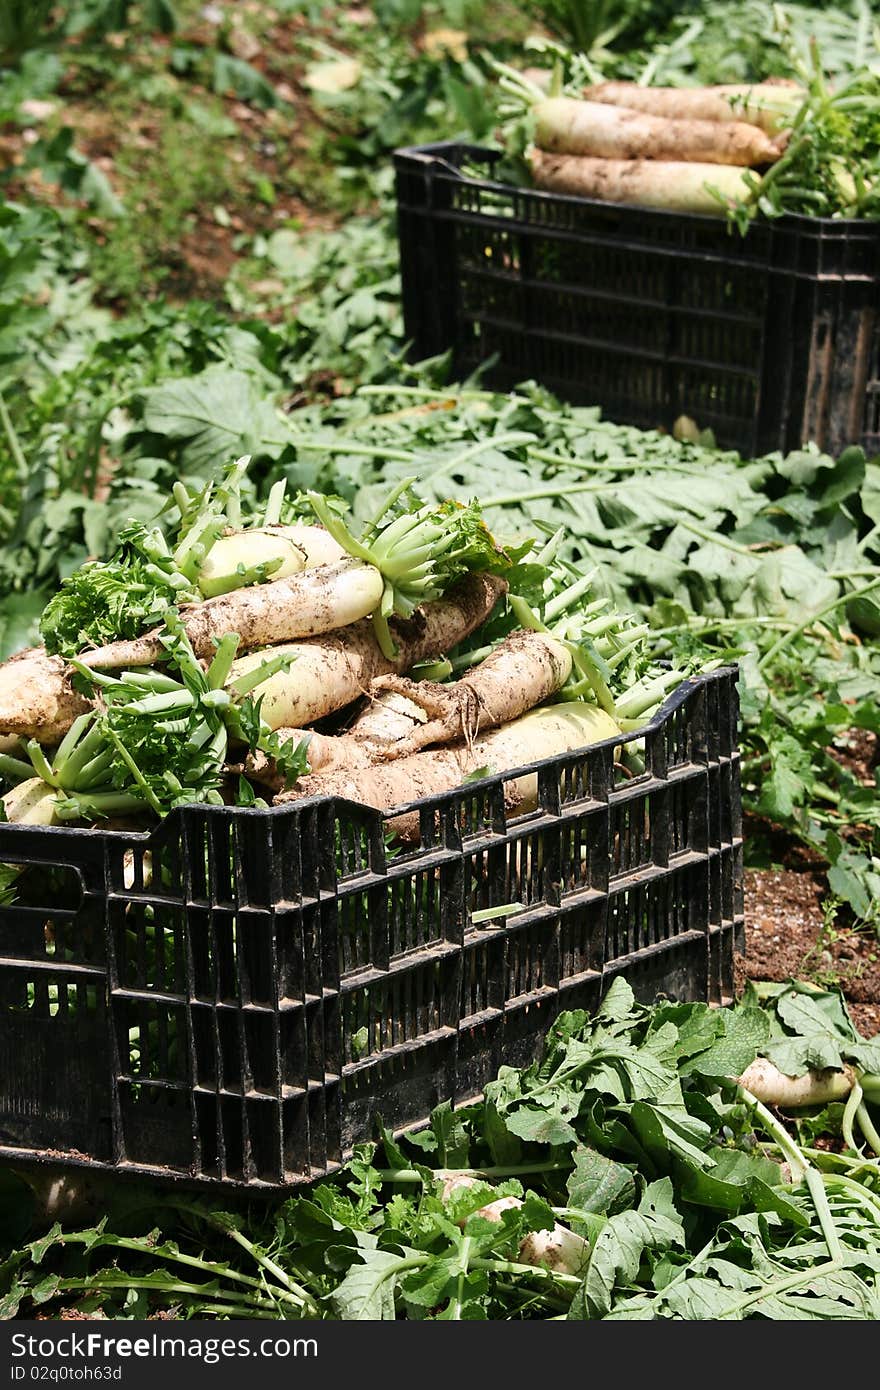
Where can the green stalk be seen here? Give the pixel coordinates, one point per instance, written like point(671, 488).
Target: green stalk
point(866, 1125)
point(170, 702)
point(71, 739)
point(248, 682)
point(240, 1303)
point(338, 529)
point(14, 446)
point(823, 1211)
point(778, 1286)
point(274, 503)
point(853, 1101)
point(153, 681)
point(430, 393)
point(221, 665)
point(94, 772)
point(397, 491)
point(379, 451)
point(263, 1260)
point(607, 465)
point(14, 770)
point(244, 577)
point(500, 441)
point(41, 765)
point(567, 598)
point(859, 1194)
point(135, 771)
point(642, 696)
point(463, 1254)
point(97, 805)
point(781, 1137)
point(86, 749)
point(556, 1276)
point(789, 636)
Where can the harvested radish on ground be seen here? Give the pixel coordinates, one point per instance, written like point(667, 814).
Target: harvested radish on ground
point(37, 699)
point(526, 669)
point(768, 1084)
point(564, 125)
point(771, 106)
point(674, 187)
point(330, 672)
point(541, 733)
point(558, 1248)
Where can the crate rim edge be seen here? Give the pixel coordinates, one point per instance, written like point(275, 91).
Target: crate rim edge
point(796, 221)
point(675, 698)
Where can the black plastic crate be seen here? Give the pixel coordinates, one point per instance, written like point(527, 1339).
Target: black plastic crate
point(234, 997)
point(771, 339)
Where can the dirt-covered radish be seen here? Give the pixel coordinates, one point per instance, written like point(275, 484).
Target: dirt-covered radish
point(769, 105)
point(312, 601)
point(329, 672)
point(523, 671)
point(673, 186)
point(37, 699)
point(541, 733)
point(564, 125)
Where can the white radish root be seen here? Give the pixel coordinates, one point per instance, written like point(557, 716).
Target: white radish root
point(330, 672)
point(523, 671)
point(313, 601)
point(31, 802)
point(37, 699)
point(567, 126)
point(542, 733)
point(768, 1084)
point(558, 1249)
point(325, 752)
point(667, 185)
point(297, 547)
point(768, 105)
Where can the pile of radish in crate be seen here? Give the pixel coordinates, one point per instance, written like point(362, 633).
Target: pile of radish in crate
point(203, 666)
point(807, 145)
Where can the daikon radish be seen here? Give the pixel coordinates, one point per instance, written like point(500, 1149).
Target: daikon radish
point(523, 671)
point(558, 1248)
point(330, 672)
point(564, 125)
point(284, 550)
point(672, 186)
point(768, 1084)
point(313, 601)
point(541, 733)
point(768, 105)
point(37, 699)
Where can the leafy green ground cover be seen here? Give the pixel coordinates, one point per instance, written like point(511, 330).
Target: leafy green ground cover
point(681, 1195)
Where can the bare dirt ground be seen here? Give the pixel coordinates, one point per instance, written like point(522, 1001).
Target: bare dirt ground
point(787, 936)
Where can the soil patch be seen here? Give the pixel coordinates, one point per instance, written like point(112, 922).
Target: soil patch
point(787, 936)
